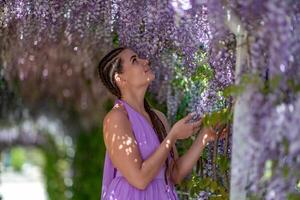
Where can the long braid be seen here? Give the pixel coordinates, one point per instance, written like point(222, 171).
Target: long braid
point(111, 64)
point(161, 133)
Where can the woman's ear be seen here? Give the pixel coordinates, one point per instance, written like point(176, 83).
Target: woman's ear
point(117, 77)
point(120, 80)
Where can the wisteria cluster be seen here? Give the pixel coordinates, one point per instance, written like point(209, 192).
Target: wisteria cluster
point(277, 160)
point(152, 28)
point(158, 28)
point(56, 45)
point(272, 55)
point(283, 62)
point(208, 101)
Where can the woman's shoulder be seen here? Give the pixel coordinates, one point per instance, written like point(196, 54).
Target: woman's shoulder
point(118, 114)
point(116, 123)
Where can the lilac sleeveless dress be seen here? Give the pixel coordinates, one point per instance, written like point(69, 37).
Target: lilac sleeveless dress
point(116, 187)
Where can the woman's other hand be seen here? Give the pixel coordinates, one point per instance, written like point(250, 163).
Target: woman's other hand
point(211, 134)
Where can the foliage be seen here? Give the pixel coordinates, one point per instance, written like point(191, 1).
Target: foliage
point(88, 165)
point(210, 177)
point(17, 158)
point(53, 171)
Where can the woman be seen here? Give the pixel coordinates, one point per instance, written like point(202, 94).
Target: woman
point(141, 161)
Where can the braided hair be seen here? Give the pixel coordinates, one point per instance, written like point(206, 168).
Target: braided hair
point(111, 64)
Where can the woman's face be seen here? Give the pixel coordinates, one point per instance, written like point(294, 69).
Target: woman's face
point(136, 71)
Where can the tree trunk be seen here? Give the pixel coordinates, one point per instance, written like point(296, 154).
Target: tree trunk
point(242, 120)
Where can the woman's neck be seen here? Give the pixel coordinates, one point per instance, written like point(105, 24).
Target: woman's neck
point(135, 98)
point(137, 102)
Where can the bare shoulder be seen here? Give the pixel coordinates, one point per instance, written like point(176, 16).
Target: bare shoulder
point(117, 113)
point(116, 119)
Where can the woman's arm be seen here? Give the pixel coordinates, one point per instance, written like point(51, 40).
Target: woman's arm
point(124, 152)
point(186, 162)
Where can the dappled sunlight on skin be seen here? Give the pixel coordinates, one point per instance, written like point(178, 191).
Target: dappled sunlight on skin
point(114, 137)
point(168, 144)
point(204, 139)
point(131, 151)
point(128, 142)
point(105, 127)
point(117, 105)
point(125, 142)
point(208, 137)
point(113, 140)
point(128, 150)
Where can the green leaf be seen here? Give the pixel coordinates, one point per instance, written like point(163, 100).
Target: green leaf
point(223, 163)
point(293, 196)
point(233, 90)
point(285, 171)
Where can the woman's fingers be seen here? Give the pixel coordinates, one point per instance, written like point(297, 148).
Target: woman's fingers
point(197, 124)
point(190, 116)
point(224, 132)
point(219, 127)
point(197, 129)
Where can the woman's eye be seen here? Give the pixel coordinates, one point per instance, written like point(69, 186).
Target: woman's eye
point(133, 60)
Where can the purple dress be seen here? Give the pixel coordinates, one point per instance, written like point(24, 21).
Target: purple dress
point(116, 187)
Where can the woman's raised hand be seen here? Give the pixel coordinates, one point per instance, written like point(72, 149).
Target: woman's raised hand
point(211, 134)
point(184, 129)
